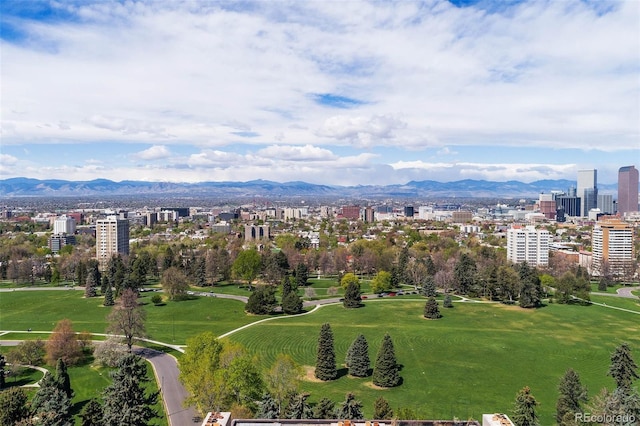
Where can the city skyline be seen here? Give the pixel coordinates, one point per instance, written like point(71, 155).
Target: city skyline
point(349, 93)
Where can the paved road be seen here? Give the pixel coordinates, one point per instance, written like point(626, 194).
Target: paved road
point(166, 370)
point(621, 292)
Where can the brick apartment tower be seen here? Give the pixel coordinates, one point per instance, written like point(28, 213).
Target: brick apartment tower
point(627, 190)
point(112, 238)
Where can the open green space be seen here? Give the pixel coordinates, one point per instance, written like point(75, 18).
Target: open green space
point(470, 362)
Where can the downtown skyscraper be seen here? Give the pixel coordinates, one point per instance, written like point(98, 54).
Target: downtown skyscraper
point(627, 190)
point(587, 190)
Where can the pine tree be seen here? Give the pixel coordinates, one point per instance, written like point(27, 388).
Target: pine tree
point(268, 408)
point(90, 286)
point(62, 377)
point(302, 274)
point(324, 409)
point(447, 303)
point(299, 408)
point(431, 309)
point(350, 409)
point(530, 286)
point(292, 303)
point(125, 400)
point(623, 367)
point(108, 296)
point(287, 286)
point(3, 362)
point(91, 414)
point(572, 393)
point(51, 403)
point(326, 359)
point(104, 283)
point(429, 287)
point(382, 410)
point(352, 297)
point(524, 409)
point(262, 301)
point(13, 406)
point(358, 357)
point(385, 372)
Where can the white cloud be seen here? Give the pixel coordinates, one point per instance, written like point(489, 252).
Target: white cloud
point(297, 153)
point(361, 131)
point(156, 152)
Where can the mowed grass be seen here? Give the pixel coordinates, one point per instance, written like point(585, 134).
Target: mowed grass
point(470, 362)
point(173, 322)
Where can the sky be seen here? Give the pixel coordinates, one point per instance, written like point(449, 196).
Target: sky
point(330, 92)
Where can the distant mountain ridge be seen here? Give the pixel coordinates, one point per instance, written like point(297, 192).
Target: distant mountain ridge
point(27, 187)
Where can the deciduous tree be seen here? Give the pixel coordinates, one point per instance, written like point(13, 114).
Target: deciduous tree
point(381, 282)
point(283, 379)
point(63, 344)
point(247, 266)
point(128, 318)
point(174, 283)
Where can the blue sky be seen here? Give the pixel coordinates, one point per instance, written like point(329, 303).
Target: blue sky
point(335, 92)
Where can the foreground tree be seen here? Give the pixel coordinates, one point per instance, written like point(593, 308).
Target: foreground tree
point(62, 378)
point(382, 410)
point(62, 344)
point(3, 362)
point(127, 319)
point(385, 371)
point(350, 409)
point(326, 356)
point(524, 409)
point(431, 310)
point(51, 403)
point(13, 406)
point(298, 407)
point(324, 409)
point(572, 394)
point(357, 359)
point(623, 367)
point(91, 414)
point(268, 408)
point(126, 401)
point(283, 380)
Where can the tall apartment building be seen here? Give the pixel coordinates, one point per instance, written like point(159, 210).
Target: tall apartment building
point(112, 238)
point(612, 247)
point(547, 206)
point(627, 190)
point(528, 244)
point(369, 214)
point(351, 212)
point(64, 225)
point(587, 190)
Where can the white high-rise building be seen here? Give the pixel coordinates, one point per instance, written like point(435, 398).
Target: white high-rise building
point(587, 190)
point(64, 225)
point(612, 248)
point(112, 238)
point(528, 244)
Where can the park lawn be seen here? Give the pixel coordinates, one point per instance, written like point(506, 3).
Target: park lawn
point(173, 322)
point(470, 362)
point(620, 302)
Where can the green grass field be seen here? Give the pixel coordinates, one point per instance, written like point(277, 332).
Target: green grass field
point(472, 361)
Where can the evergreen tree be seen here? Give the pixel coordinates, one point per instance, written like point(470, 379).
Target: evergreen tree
point(350, 409)
point(572, 393)
point(324, 409)
point(108, 296)
point(524, 409)
point(62, 377)
point(3, 362)
point(90, 288)
point(382, 410)
point(287, 286)
point(125, 400)
point(464, 274)
point(530, 286)
point(429, 287)
point(326, 356)
point(104, 283)
point(292, 303)
point(302, 274)
point(602, 284)
point(431, 309)
point(299, 408)
point(51, 403)
point(403, 261)
point(268, 408)
point(431, 267)
point(91, 414)
point(623, 367)
point(447, 303)
point(13, 406)
point(352, 297)
point(201, 272)
point(385, 371)
point(262, 301)
point(357, 359)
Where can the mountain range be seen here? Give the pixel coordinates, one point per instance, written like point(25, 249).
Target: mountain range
point(26, 187)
